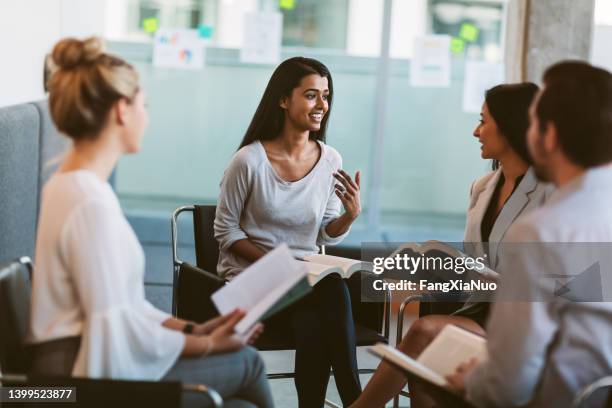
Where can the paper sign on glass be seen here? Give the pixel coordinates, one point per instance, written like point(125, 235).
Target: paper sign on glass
point(431, 61)
point(479, 76)
point(178, 48)
point(262, 38)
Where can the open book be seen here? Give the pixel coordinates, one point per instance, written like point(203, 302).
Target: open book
point(441, 358)
point(319, 266)
point(272, 283)
point(438, 248)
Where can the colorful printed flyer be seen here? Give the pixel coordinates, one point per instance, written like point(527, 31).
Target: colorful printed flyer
point(178, 48)
point(431, 61)
point(263, 33)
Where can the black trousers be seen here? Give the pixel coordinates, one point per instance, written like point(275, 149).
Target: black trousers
point(322, 323)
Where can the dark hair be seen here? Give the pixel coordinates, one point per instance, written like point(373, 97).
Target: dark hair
point(509, 107)
point(577, 99)
point(269, 117)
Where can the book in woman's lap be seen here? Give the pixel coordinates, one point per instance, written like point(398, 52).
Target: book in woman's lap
point(319, 266)
point(266, 287)
point(451, 347)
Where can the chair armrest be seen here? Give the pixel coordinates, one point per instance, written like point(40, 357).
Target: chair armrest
point(583, 395)
point(194, 289)
point(209, 392)
point(400, 315)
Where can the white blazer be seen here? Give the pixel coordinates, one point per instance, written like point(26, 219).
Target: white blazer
point(529, 194)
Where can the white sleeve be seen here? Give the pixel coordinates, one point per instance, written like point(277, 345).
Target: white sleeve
point(519, 330)
point(154, 313)
point(122, 335)
point(232, 199)
point(333, 209)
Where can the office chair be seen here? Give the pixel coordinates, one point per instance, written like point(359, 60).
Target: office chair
point(583, 397)
point(193, 286)
point(15, 278)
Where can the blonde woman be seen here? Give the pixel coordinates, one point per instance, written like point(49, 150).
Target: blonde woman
point(89, 313)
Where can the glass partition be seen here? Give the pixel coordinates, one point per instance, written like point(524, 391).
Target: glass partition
point(198, 117)
point(601, 53)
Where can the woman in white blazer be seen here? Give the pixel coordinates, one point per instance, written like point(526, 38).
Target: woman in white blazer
point(496, 200)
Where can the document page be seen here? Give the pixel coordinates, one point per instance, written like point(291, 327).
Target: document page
point(452, 347)
point(260, 286)
point(342, 263)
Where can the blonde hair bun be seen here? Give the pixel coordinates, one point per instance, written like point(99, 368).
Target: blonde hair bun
point(70, 52)
point(85, 83)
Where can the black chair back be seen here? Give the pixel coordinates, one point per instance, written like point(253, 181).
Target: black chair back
point(193, 293)
point(367, 304)
point(14, 315)
point(195, 286)
point(206, 246)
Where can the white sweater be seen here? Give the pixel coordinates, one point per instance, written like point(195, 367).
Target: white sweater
point(88, 282)
point(257, 204)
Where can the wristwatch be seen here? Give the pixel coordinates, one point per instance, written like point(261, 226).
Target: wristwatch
point(188, 329)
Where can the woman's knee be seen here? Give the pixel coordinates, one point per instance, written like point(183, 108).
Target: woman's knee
point(332, 290)
point(332, 282)
point(254, 362)
point(421, 333)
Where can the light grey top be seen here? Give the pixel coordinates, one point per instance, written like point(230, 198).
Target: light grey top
point(542, 353)
point(256, 203)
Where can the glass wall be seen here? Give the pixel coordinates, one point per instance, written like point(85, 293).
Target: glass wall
point(198, 117)
point(601, 53)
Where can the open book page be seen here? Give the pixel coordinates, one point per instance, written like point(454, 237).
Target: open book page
point(441, 358)
point(259, 287)
point(348, 266)
point(409, 364)
point(317, 271)
point(452, 347)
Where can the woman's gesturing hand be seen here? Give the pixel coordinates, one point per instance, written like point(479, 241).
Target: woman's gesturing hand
point(348, 192)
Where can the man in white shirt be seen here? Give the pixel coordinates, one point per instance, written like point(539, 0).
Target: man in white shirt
point(543, 347)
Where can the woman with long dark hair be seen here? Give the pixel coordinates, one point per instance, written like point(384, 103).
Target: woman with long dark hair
point(285, 185)
point(496, 200)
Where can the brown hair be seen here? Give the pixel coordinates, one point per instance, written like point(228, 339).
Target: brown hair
point(577, 99)
point(86, 82)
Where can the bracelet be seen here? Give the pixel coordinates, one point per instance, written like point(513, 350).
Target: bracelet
point(209, 346)
point(188, 328)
